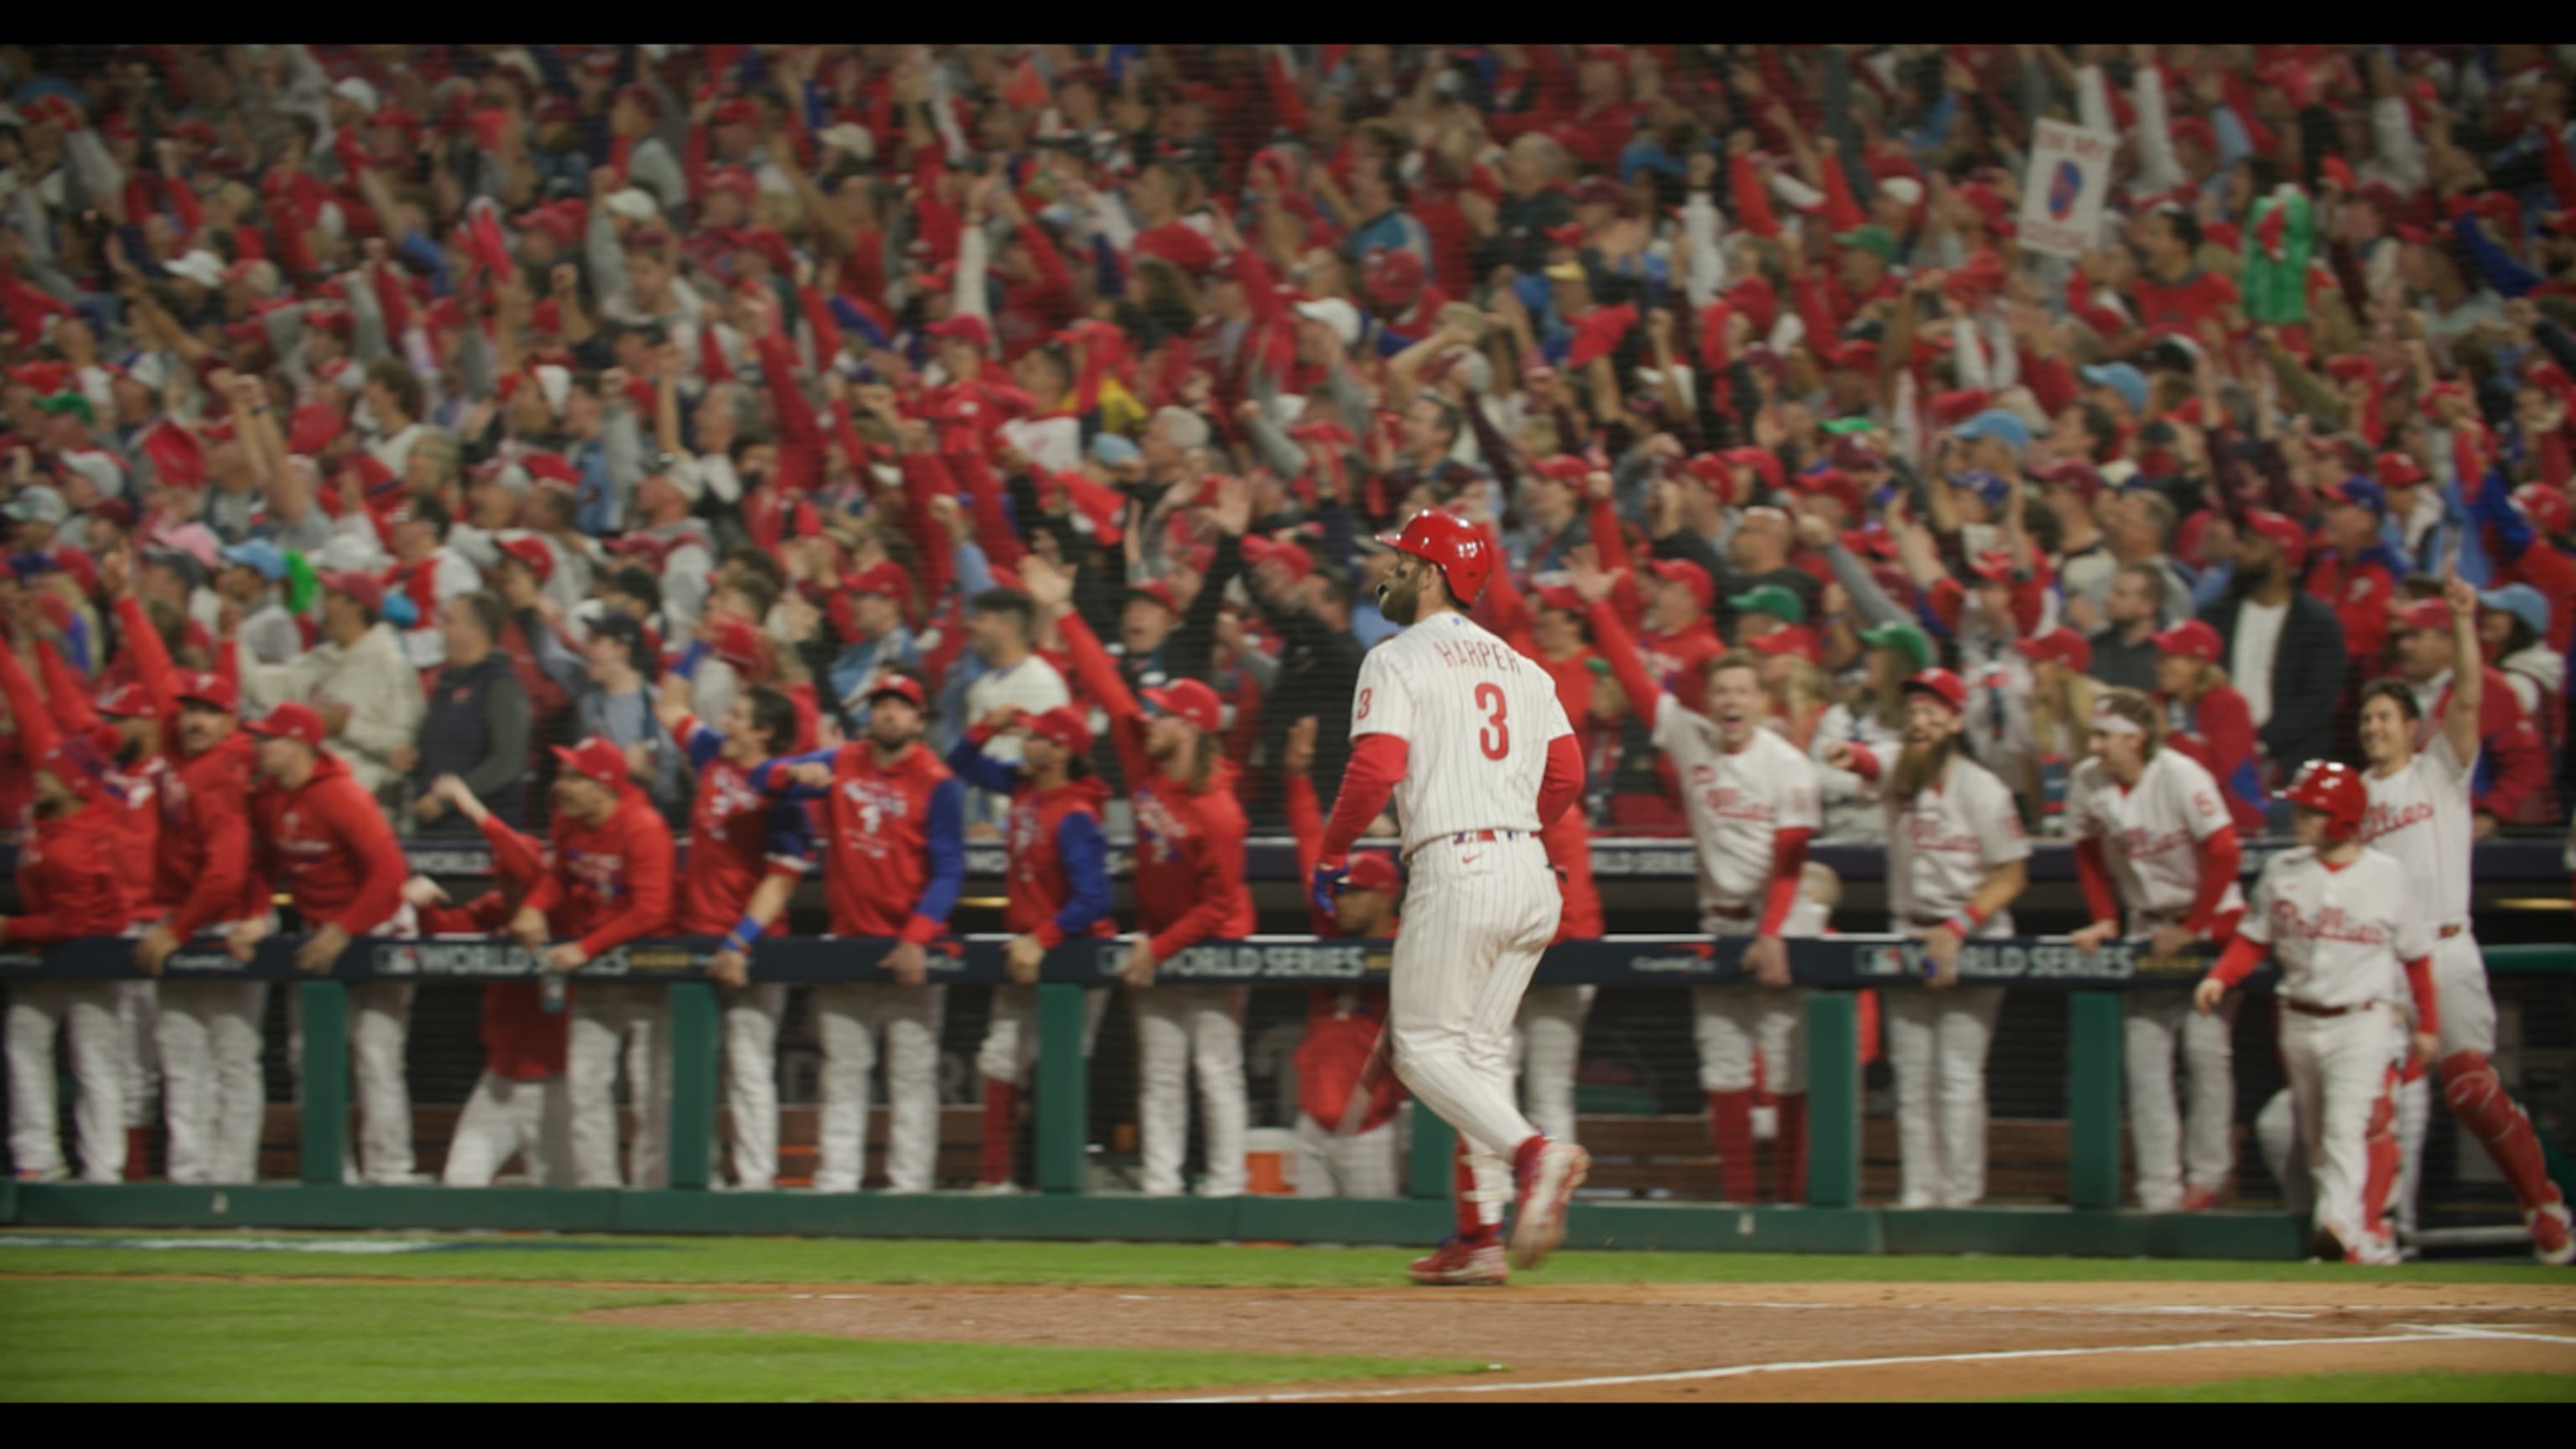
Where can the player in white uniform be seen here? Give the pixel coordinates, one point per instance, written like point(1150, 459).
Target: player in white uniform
point(1470, 738)
point(2420, 816)
point(2353, 944)
point(2152, 835)
point(1956, 859)
point(1752, 802)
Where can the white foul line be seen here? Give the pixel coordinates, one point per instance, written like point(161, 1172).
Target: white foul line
point(2489, 1330)
point(1806, 1365)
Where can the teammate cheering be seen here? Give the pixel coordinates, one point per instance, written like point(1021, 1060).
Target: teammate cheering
point(2421, 816)
point(1751, 799)
point(1057, 866)
point(208, 1031)
point(1189, 888)
point(893, 860)
point(2350, 936)
point(321, 837)
point(1956, 859)
point(1469, 737)
point(2152, 834)
point(746, 854)
point(608, 883)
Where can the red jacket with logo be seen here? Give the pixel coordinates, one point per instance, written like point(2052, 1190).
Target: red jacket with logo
point(202, 857)
point(894, 853)
point(67, 882)
point(738, 836)
point(609, 883)
point(328, 846)
point(2359, 591)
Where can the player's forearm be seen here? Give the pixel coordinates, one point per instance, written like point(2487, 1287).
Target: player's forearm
point(2093, 872)
point(2428, 1002)
point(1620, 652)
point(2220, 858)
point(2237, 962)
point(2002, 887)
point(1562, 785)
point(1377, 762)
point(1788, 864)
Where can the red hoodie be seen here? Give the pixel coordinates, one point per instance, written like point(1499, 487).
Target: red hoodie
point(201, 862)
point(609, 883)
point(522, 1041)
point(67, 880)
point(328, 846)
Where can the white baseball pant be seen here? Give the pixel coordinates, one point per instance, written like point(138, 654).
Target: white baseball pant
point(1179, 1029)
point(379, 1025)
point(136, 1010)
point(505, 1117)
point(1010, 1045)
point(1477, 915)
point(213, 1092)
point(1732, 1023)
point(1937, 1043)
point(751, 1017)
point(1547, 1044)
point(1364, 1164)
point(605, 1017)
point(2341, 1070)
point(86, 1013)
point(847, 1019)
point(2414, 1121)
point(2276, 1127)
point(2460, 992)
point(2169, 1147)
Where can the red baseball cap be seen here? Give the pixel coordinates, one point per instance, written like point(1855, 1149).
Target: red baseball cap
point(2191, 638)
point(1157, 590)
point(595, 759)
point(2061, 644)
point(966, 328)
point(1690, 575)
point(738, 642)
point(211, 690)
point(540, 560)
point(1063, 724)
point(365, 590)
point(2284, 532)
point(2399, 470)
point(1557, 596)
point(887, 579)
point(2546, 507)
point(126, 701)
point(1994, 565)
point(902, 686)
point(1788, 639)
point(1258, 551)
point(289, 721)
point(1374, 871)
point(733, 181)
point(2425, 614)
point(1941, 684)
point(1190, 700)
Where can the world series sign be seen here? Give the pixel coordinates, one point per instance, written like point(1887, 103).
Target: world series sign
point(2063, 190)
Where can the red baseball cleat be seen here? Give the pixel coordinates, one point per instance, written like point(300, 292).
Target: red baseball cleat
point(1459, 1263)
point(2197, 1200)
point(2551, 1242)
point(1538, 1223)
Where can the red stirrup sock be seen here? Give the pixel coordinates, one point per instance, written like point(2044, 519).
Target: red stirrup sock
point(1730, 1132)
point(1001, 1123)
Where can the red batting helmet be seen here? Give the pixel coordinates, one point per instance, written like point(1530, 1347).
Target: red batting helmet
point(2335, 789)
point(1449, 544)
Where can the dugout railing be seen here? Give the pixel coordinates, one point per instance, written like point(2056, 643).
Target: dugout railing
point(2094, 985)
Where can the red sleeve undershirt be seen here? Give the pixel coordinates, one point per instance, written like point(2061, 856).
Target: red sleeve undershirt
point(2419, 984)
point(1377, 763)
point(1562, 785)
point(2220, 858)
point(2093, 871)
point(1788, 861)
point(2238, 962)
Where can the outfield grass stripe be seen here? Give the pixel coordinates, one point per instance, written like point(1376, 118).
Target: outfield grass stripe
point(1733, 1371)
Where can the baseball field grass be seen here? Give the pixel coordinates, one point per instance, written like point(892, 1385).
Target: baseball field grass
point(531, 1317)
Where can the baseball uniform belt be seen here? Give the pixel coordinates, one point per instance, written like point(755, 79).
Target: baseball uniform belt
point(1732, 913)
point(2453, 929)
point(1929, 921)
point(2305, 1009)
point(1468, 837)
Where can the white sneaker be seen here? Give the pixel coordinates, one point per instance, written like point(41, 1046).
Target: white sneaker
point(994, 1189)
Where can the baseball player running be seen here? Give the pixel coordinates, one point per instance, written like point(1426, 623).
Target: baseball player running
point(2152, 835)
point(67, 887)
point(208, 1031)
point(746, 854)
point(608, 883)
point(1956, 860)
point(1469, 737)
point(893, 861)
point(1189, 888)
point(1057, 863)
point(2350, 938)
point(2420, 816)
point(1751, 799)
point(321, 837)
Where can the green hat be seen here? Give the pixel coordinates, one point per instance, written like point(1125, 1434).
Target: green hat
point(1840, 426)
point(1773, 600)
point(1874, 239)
point(1901, 635)
point(68, 401)
point(302, 583)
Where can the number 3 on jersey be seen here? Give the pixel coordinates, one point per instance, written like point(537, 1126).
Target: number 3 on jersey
point(1496, 738)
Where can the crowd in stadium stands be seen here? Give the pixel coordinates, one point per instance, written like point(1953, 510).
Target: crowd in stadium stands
point(514, 409)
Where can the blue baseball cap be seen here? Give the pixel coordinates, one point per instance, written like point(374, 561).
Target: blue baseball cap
point(1999, 423)
point(1110, 450)
point(257, 554)
point(2121, 378)
point(2520, 600)
point(2359, 493)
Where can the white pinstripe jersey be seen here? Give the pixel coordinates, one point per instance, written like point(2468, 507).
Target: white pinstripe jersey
point(1736, 803)
point(2151, 831)
point(1942, 844)
point(2419, 817)
point(2342, 934)
point(1476, 717)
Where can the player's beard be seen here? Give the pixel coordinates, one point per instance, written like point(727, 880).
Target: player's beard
point(1399, 600)
point(1922, 765)
point(888, 739)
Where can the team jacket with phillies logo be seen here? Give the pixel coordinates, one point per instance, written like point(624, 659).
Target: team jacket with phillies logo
point(737, 835)
point(67, 880)
point(1189, 843)
point(609, 883)
point(329, 847)
point(894, 854)
point(1058, 859)
point(131, 793)
point(201, 858)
